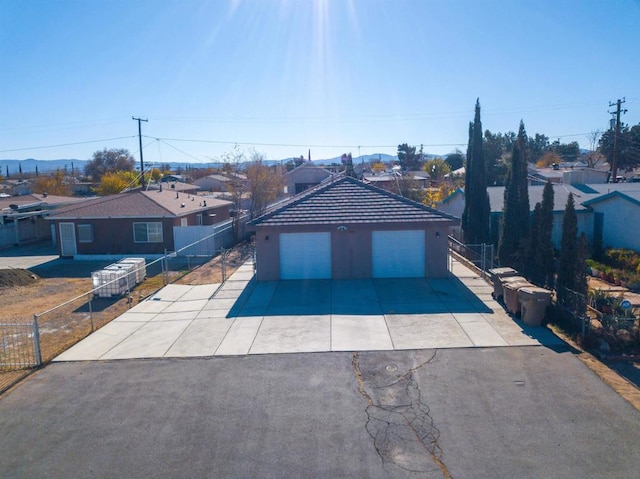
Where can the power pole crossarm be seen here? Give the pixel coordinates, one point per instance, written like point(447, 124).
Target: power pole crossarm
point(140, 143)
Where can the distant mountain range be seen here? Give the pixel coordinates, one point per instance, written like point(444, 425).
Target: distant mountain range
point(47, 166)
point(44, 166)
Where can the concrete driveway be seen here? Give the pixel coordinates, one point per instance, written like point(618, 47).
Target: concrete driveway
point(27, 256)
point(525, 412)
point(245, 317)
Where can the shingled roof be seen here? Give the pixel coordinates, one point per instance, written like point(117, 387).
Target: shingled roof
point(139, 204)
point(347, 200)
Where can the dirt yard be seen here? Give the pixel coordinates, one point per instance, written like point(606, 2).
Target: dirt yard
point(65, 288)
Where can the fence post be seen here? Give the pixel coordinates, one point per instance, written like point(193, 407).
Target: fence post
point(224, 270)
point(165, 267)
point(91, 312)
point(36, 340)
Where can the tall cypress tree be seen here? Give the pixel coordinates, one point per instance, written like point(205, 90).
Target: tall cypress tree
point(533, 267)
point(544, 258)
point(475, 218)
point(515, 217)
point(568, 261)
point(539, 265)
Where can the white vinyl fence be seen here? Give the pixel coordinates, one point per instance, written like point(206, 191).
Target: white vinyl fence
point(202, 240)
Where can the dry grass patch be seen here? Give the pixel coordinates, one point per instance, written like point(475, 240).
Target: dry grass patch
point(72, 318)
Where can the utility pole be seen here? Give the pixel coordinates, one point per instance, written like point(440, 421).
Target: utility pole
point(616, 134)
point(140, 143)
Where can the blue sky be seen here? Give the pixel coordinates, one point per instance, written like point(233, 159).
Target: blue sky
point(286, 76)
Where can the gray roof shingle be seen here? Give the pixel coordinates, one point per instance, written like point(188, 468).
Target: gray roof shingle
point(140, 204)
point(581, 194)
point(347, 200)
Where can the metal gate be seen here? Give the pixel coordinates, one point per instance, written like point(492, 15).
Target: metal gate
point(19, 345)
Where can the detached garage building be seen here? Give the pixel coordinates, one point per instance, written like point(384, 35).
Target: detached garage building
point(346, 229)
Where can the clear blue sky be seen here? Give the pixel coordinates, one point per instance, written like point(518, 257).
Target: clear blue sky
point(335, 76)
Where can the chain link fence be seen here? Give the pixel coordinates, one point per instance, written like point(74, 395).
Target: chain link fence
point(574, 308)
point(479, 256)
point(28, 344)
point(19, 344)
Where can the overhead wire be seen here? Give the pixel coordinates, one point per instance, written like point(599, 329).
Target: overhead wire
point(181, 151)
point(295, 145)
point(66, 144)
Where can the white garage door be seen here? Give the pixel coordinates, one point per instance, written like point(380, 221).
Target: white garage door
point(398, 254)
point(305, 255)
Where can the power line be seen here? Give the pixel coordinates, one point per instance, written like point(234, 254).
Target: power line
point(177, 149)
point(66, 144)
point(380, 117)
point(294, 145)
point(63, 125)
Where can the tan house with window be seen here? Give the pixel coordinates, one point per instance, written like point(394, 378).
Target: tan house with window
point(136, 222)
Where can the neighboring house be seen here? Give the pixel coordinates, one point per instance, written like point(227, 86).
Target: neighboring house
point(175, 186)
point(607, 212)
point(569, 173)
point(570, 165)
point(174, 178)
point(389, 181)
point(238, 178)
point(560, 197)
point(213, 183)
point(135, 222)
point(540, 176)
point(303, 177)
point(459, 173)
point(423, 178)
point(585, 176)
point(23, 218)
point(616, 217)
point(346, 229)
point(453, 205)
point(16, 187)
point(242, 201)
point(79, 188)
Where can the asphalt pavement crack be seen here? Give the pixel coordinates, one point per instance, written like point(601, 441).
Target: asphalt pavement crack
point(400, 424)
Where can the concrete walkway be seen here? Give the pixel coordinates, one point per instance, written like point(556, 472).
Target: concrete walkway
point(246, 317)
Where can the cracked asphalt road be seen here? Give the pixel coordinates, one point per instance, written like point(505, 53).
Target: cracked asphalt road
point(525, 412)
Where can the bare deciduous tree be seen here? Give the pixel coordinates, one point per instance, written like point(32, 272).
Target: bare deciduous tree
point(594, 156)
point(264, 184)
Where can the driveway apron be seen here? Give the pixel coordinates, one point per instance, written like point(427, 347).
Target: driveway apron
point(243, 316)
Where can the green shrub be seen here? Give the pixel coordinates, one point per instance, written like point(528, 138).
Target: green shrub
point(625, 259)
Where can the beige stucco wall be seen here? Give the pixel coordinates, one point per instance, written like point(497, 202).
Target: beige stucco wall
point(351, 249)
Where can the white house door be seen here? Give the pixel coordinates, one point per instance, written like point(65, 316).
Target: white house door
point(68, 239)
point(398, 254)
point(305, 255)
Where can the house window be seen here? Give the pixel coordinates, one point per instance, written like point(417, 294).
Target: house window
point(199, 219)
point(85, 233)
point(184, 222)
point(147, 232)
